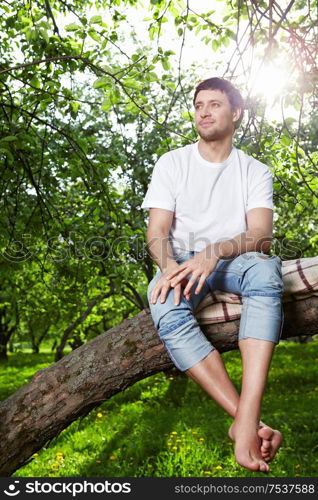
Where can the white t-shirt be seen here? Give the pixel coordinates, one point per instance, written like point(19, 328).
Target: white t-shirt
point(209, 200)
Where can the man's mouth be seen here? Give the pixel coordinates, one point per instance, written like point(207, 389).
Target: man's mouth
point(206, 124)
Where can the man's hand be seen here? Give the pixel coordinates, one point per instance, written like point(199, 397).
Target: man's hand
point(200, 267)
point(163, 286)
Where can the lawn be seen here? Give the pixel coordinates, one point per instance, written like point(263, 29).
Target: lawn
point(167, 426)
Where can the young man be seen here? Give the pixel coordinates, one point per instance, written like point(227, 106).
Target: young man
point(210, 226)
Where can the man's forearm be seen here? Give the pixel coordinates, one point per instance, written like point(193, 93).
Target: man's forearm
point(161, 251)
point(251, 240)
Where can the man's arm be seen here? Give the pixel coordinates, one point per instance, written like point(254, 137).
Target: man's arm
point(159, 225)
point(257, 238)
point(159, 246)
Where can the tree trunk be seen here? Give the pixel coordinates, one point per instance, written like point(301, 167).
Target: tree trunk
point(4, 341)
point(108, 364)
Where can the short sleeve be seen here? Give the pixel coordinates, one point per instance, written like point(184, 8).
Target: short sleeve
point(260, 187)
point(160, 193)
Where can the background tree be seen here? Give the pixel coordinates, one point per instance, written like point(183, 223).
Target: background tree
point(88, 104)
point(85, 115)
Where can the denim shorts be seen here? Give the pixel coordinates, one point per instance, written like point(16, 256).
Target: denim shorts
point(255, 276)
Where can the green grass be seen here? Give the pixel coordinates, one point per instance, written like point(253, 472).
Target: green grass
point(167, 426)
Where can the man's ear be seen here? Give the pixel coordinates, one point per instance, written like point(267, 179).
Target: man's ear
point(237, 114)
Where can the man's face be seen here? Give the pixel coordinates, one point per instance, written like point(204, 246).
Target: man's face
point(214, 117)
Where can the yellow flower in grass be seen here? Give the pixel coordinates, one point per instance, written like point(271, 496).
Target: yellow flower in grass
point(100, 415)
point(178, 440)
point(201, 439)
point(54, 466)
point(174, 447)
point(174, 433)
point(208, 472)
point(112, 457)
point(218, 467)
point(169, 444)
point(35, 455)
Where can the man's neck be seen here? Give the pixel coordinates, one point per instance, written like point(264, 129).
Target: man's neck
point(215, 151)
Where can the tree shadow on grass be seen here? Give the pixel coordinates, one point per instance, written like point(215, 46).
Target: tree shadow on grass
point(143, 430)
point(143, 438)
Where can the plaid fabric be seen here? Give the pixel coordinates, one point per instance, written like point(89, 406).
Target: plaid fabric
point(300, 277)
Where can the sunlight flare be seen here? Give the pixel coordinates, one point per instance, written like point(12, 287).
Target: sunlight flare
point(270, 81)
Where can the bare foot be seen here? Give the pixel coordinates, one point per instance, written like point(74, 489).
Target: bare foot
point(271, 441)
point(248, 446)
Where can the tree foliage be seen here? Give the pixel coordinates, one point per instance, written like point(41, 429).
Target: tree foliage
point(86, 108)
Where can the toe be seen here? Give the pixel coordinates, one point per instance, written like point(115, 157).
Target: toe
point(264, 467)
point(266, 433)
point(265, 445)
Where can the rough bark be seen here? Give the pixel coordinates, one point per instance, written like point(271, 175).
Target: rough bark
point(94, 372)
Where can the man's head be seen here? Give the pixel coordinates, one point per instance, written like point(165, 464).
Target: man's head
point(218, 108)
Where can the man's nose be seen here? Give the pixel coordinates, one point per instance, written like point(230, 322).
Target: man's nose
point(205, 112)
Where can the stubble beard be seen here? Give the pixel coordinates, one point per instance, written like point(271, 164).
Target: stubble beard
point(211, 136)
point(215, 135)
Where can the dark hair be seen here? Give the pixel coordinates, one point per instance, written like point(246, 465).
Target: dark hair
point(234, 96)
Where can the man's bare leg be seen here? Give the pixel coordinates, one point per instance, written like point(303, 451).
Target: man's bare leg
point(211, 375)
point(256, 357)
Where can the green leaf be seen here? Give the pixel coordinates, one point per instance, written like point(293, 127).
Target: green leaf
point(131, 83)
point(103, 83)
point(173, 10)
point(75, 105)
point(225, 41)
point(132, 108)
point(96, 20)
point(35, 82)
point(165, 64)
point(285, 140)
point(215, 45)
point(94, 35)
point(152, 30)
point(8, 153)
point(106, 104)
point(72, 27)
point(9, 138)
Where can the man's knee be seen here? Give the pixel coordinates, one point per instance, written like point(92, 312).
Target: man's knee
point(174, 320)
point(167, 314)
point(184, 340)
point(265, 276)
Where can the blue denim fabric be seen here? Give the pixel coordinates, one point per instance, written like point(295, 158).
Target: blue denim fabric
point(255, 276)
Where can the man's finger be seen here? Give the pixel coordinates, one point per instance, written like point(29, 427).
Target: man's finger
point(155, 293)
point(180, 277)
point(190, 284)
point(177, 295)
point(176, 271)
point(154, 296)
point(163, 295)
point(200, 284)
